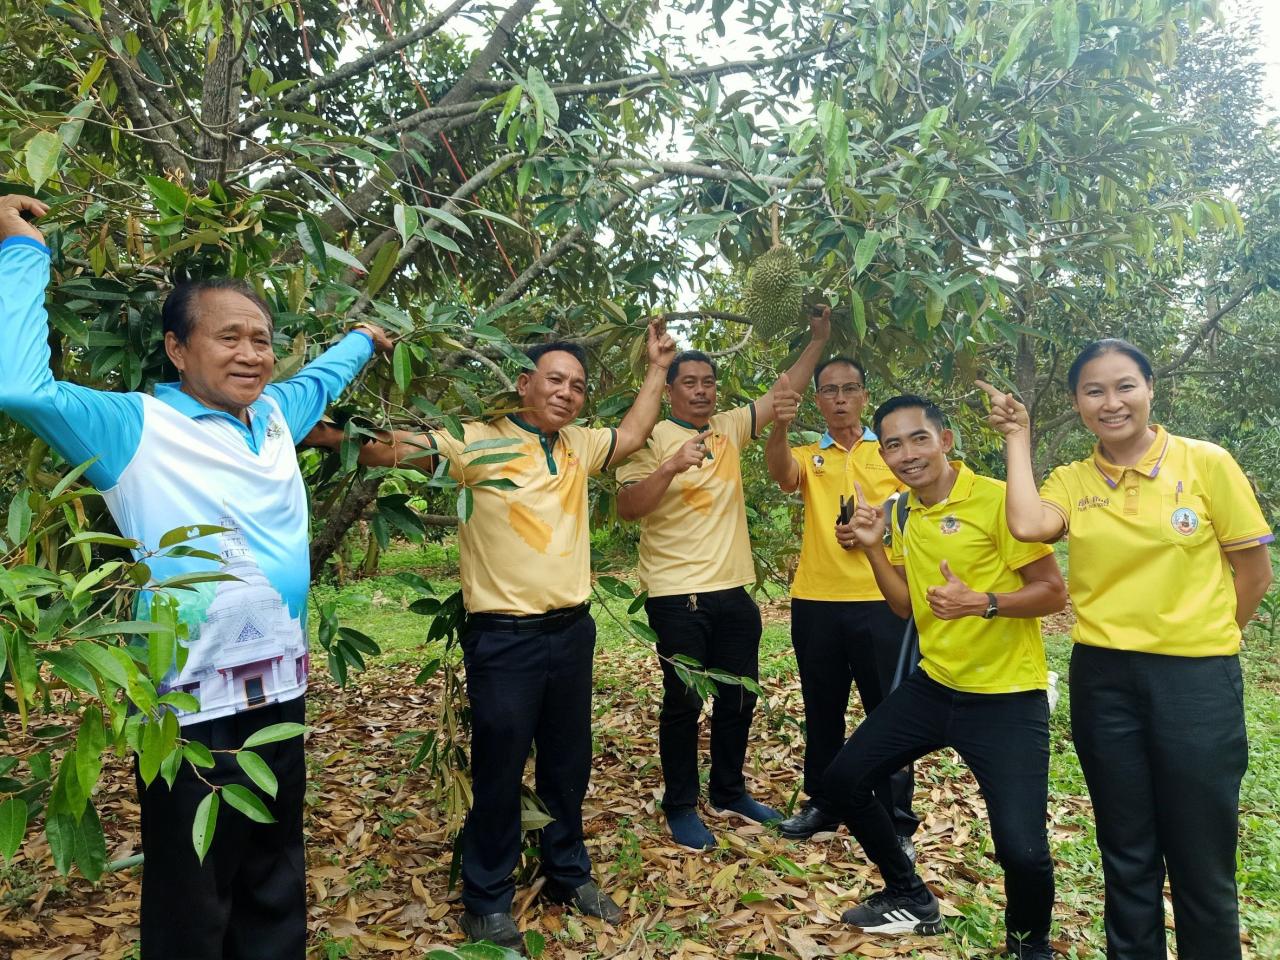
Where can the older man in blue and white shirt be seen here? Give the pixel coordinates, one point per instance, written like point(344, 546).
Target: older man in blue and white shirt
point(215, 448)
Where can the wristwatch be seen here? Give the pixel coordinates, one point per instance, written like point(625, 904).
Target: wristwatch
point(993, 607)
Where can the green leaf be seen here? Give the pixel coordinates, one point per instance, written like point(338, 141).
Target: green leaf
point(858, 313)
point(402, 364)
point(94, 577)
point(109, 628)
point(197, 754)
point(257, 770)
point(535, 944)
point(193, 532)
point(644, 631)
point(542, 94)
point(440, 240)
point(90, 849)
point(384, 264)
point(406, 218)
point(247, 802)
point(13, 826)
point(1019, 37)
point(168, 196)
point(91, 740)
point(19, 523)
point(41, 156)
point(835, 137)
point(930, 123)
point(205, 821)
point(466, 503)
point(337, 253)
point(865, 251)
point(273, 734)
point(492, 443)
point(494, 458)
point(447, 218)
point(311, 239)
point(102, 662)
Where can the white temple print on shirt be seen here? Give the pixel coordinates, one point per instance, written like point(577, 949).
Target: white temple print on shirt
point(246, 649)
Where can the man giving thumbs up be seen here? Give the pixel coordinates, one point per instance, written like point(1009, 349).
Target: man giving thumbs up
point(975, 592)
point(695, 563)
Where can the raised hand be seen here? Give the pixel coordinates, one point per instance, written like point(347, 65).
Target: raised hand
point(691, 453)
point(382, 341)
point(1008, 416)
point(820, 322)
point(865, 528)
point(786, 402)
point(12, 207)
point(660, 344)
point(953, 599)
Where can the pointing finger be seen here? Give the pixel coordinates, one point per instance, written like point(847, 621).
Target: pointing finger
point(862, 497)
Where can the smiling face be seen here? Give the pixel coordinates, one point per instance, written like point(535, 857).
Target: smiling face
point(554, 391)
point(1113, 399)
point(842, 396)
point(914, 448)
point(227, 358)
point(693, 392)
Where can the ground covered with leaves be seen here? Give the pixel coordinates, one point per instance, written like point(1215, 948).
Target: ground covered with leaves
point(380, 851)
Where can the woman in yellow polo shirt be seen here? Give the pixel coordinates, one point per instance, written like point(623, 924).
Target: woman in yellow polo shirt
point(1167, 564)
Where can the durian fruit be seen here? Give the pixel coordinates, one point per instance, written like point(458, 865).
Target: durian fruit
point(773, 294)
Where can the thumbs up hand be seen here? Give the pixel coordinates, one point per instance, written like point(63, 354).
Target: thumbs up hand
point(953, 599)
point(786, 401)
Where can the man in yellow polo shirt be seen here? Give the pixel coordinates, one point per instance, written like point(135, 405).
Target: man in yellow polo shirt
point(842, 630)
point(525, 565)
point(976, 594)
point(695, 563)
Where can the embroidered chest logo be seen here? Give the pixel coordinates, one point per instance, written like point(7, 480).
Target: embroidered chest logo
point(274, 430)
point(1089, 503)
point(818, 462)
point(949, 525)
point(1185, 521)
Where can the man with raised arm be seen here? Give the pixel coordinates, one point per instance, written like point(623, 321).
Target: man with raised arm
point(525, 565)
point(215, 448)
point(695, 563)
point(976, 594)
point(842, 629)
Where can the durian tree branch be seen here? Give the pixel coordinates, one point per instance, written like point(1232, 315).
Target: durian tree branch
point(304, 92)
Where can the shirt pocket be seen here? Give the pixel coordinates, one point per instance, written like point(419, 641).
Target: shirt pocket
point(1184, 519)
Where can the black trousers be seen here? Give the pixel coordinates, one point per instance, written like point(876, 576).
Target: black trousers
point(721, 630)
point(840, 644)
point(525, 689)
point(248, 900)
point(1004, 739)
point(1163, 747)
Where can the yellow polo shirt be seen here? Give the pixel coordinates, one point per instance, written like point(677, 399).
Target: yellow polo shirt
point(526, 550)
point(1148, 546)
point(696, 540)
point(828, 472)
point(969, 531)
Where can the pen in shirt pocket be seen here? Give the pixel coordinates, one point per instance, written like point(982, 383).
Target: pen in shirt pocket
point(1177, 493)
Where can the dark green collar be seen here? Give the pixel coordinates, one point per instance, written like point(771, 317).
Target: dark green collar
point(546, 440)
point(687, 425)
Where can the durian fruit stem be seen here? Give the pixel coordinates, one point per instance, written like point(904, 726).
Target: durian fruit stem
point(773, 222)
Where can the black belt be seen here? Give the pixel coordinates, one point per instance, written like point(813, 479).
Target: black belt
point(535, 623)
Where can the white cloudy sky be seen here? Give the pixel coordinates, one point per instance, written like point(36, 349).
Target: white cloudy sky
point(1269, 50)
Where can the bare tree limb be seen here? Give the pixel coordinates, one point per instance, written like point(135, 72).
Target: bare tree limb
point(703, 172)
point(363, 198)
point(306, 91)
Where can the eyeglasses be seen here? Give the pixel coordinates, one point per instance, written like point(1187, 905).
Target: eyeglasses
point(830, 391)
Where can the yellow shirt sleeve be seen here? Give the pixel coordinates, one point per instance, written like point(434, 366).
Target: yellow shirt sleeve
point(640, 464)
point(1013, 551)
point(451, 448)
point(897, 549)
point(594, 447)
point(1237, 518)
point(738, 424)
point(1054, 493)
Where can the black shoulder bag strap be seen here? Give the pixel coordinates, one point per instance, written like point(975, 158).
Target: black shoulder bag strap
point(909, 652)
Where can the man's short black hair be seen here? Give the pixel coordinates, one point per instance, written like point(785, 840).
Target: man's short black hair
point(817, 371)
point(907, 401)
point(689, 356)
point(180, 311)
point(574, 350)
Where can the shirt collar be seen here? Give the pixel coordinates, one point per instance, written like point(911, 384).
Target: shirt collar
point(183, 402)
point(528, 427)
point(830, 441)
point(686, 424)
point(1148, 466)
point(960, 490)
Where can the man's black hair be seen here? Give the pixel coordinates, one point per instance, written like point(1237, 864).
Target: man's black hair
point(689, 356)
point(817, 371)
point(180, 307)
point(1097, 348)
point(908, 401)
point(574, 350)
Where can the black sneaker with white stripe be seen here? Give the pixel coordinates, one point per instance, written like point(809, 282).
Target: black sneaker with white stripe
point(888, 912)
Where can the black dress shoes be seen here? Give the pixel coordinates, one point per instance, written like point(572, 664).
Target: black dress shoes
point(806, 823)
point(497, 928)
point(588, 899)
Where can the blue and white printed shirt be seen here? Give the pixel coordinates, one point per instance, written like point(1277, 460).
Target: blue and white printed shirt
point(167, 461)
